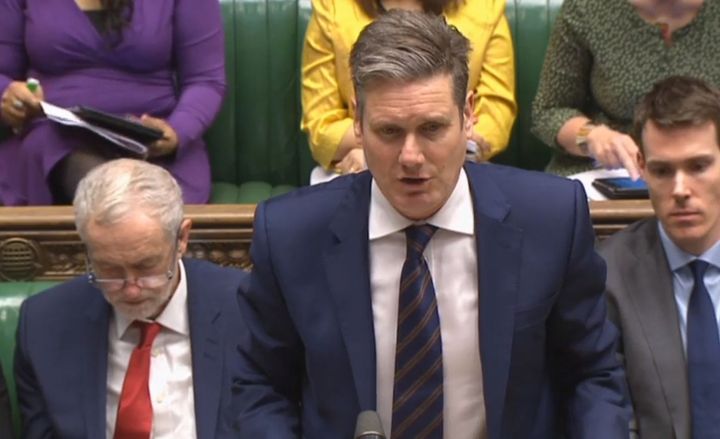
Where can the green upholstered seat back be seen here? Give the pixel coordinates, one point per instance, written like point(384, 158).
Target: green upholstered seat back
point(257, 136)
point(530, 23)
point(11, 296)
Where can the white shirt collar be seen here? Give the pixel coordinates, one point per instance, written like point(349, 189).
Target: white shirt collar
point(455, 215)
point(174, 316)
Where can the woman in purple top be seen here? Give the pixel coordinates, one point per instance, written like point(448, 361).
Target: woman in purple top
point(160, 60)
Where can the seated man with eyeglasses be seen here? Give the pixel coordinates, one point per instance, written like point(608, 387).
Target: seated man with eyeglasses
point(142, 346)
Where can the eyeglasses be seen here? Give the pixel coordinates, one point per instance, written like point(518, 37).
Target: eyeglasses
point(112, 285)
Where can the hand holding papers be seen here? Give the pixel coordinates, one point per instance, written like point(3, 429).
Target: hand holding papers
point(125, 133)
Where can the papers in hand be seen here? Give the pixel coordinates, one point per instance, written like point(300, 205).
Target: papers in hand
point(66, 117)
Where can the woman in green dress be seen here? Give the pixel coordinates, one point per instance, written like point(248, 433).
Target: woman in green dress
point(603, 56)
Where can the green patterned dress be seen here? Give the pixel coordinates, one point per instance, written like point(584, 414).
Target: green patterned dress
point(603, 57)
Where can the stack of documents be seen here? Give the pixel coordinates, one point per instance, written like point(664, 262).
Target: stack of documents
point(67, 117)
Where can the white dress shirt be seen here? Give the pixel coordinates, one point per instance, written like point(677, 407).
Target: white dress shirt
point(170, 381)
point(452, 258)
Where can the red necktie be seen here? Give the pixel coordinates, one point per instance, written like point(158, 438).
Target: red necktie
point(134, 416)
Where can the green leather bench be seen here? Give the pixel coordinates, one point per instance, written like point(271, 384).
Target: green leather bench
point(11, 296)
point(530, 23)
point(256, 147)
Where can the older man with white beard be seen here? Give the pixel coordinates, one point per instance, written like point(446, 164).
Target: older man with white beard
point(139, 347)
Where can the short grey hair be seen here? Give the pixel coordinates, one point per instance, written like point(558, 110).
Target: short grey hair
point(405, 45)
point(115, 189)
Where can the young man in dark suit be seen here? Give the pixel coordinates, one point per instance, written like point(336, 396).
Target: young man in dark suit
point(664, 272)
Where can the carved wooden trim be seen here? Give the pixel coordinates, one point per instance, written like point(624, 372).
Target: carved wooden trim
point(609, 217)
point(40, 243)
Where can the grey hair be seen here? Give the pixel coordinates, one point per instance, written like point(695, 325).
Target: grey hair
point(405, 45)
point(115, 189)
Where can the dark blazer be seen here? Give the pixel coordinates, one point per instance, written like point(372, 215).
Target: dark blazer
point(642, 305)
point(6, 428)
point(62, 344)
point(547, 349)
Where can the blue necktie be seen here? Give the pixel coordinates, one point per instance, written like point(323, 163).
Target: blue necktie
point(418, 384)
point(703, 354)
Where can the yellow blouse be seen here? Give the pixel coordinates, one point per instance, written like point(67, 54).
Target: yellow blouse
point(327, 86)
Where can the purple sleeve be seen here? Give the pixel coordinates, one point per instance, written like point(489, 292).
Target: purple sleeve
point(200, 67)
point(12, 50)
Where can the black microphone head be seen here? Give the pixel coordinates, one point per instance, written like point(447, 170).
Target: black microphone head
point(369, 426)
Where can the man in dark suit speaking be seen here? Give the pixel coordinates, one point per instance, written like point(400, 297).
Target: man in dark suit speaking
point(664, 272)
point(457, 300)
point(144, 348)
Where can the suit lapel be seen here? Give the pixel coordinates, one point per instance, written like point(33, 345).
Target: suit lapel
point(650, 282)
point(498, 251)
point(345, 256)
point(207, 355)
point(91, 346)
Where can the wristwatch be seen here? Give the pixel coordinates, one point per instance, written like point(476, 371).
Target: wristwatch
point(581, 139)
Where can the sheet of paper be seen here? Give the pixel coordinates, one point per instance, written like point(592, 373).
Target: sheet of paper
point(61, 115)
point(320, 175)
point(66, 117)
point(587, 177)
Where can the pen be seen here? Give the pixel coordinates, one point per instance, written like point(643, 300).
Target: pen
point(32, 84)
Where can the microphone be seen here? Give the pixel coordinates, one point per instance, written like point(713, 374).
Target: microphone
point(369, 426)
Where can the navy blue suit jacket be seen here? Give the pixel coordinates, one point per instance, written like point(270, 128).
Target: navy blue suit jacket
point(547, 349)
point(62, 345)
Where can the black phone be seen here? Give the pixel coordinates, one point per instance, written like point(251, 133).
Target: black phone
point(121, 125)
point(621, 188)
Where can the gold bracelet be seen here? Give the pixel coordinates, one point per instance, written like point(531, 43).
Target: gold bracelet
point(581, 139)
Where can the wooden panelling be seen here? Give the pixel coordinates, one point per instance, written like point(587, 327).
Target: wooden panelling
point(610, 216)
point(40, 243)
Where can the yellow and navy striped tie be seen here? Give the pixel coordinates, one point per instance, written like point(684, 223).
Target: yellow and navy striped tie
point(418, 383)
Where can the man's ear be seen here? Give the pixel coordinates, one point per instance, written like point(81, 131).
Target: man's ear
point(641, 163)
point(357, 122)
point(469, 114)
point(184, 237)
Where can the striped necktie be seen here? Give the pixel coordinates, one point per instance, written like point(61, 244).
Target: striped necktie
point(703, 356)
point(418, 383)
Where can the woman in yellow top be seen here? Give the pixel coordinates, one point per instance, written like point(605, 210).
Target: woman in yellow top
point(327, 92)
